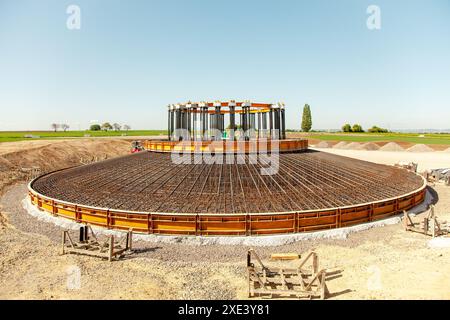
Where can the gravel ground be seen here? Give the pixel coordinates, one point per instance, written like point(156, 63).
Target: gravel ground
point(32, 268)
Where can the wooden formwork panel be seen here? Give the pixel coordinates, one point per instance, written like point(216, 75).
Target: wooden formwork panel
point(67, 211)
point(128, 221)
point(419, 197)
point(318, 219)
point(384, 207)
point(46, 205)
point(405, 203)
point(263, 224)
point(221, 224)
point(355, 215)
point(173, 223)
point(95, 217)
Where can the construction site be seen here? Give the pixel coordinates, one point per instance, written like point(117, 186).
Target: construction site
point(365, 224)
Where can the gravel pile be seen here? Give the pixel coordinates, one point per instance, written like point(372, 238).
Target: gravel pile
point(352, 146)
point(391, 146)
point(340, 145)
point(323, 144)
point(420, 148)
point(369, 146)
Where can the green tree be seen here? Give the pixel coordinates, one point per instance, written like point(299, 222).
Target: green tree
point(117, 126)
point(306, 119)
point(55, 126)
point(357, 128)
point(95, 127)
point(376, 129)
point(347, 127)
point(107, 126)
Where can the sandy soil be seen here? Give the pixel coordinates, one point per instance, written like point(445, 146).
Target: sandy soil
point(426, 160)
point(382, 263)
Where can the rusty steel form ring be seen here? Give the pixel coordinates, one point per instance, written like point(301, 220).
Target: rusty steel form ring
point(289, 145)
point(249, 224)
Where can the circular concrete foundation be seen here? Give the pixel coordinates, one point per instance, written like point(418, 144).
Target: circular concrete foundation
point(150, 193)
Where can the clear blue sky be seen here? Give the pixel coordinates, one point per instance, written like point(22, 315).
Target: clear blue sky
point(132, 58)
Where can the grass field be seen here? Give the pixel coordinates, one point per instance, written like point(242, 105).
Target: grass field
point(398, 137)
point(6, 136)
point(443, 139)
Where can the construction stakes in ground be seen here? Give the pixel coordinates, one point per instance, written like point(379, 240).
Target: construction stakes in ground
point(304, 281)
point(89, 244)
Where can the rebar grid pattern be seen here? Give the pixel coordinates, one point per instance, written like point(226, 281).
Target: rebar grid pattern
point(151, 182)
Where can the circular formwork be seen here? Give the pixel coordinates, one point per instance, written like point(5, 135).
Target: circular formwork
point(237, 146)
point(150, 193)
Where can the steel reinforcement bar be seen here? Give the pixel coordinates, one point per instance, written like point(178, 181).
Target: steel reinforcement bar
point(252, 224)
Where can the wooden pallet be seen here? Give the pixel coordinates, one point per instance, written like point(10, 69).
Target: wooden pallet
point(89, 244)
point(429, 226)
point(297, 282)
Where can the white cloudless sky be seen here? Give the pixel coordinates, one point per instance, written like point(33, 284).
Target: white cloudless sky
point(132, 58)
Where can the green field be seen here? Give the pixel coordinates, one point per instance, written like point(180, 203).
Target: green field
point(6, 136)
point(353, 137)
point(384, 137)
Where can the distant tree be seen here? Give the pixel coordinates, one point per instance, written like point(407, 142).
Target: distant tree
point(95, 127)
point(347, 128)
point(117, 126)
point(65, 126)
point(376, 129)
point(107, 126)
point(55, 126)
point(357, 128)
point(126, 127)
point(306, 119)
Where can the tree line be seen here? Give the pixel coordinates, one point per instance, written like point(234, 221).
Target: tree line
point(108, 127)
point(63, 126)
point(358, 128)
point(95, 127)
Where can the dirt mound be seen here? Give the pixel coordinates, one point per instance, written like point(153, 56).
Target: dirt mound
point(352, 146)
point(420, 148)
point(64, 154)
point(340, 145)
point(391, 146)
point(368, 146)
point(323, 144)
point(15, 161)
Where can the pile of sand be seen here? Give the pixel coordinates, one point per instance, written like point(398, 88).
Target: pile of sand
point(391, 146)
point(447, 150)
point(352, 146)
point(59, 155)
point(340, 145)
point(368, 146)
point(420, 148)
point(53, 156)
point(323, 144)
